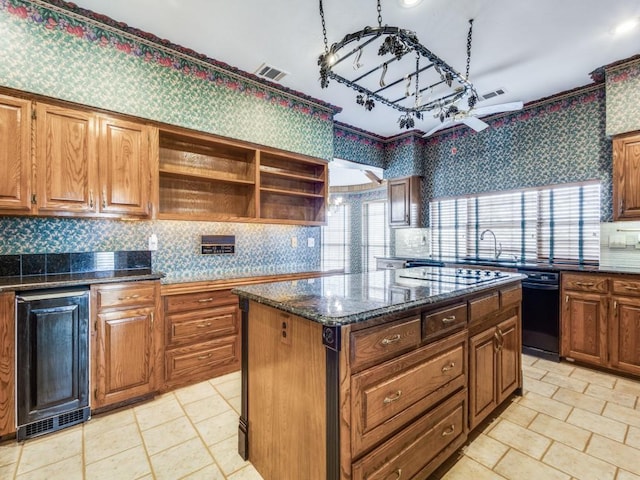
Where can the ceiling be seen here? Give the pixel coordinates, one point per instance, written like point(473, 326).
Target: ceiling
point(532, 49)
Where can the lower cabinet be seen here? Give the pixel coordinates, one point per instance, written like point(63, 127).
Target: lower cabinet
point(7, 364)
point(126, 340)
point(625, 335)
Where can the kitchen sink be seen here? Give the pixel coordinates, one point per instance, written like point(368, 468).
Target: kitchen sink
point(492, 262)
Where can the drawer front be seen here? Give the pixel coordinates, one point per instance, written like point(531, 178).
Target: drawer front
point(200, 325)
point(134, 295)
point(387, 396)
point(419, 449)
point(435, 324)
point(195, 301)
point(374, 345)
point(200, 361)
point(626, 287)
point(510, 296)
point(483, 306)
point(585, 283)
point(387, 264)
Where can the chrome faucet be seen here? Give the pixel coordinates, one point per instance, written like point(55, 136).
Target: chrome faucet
point(497, 247)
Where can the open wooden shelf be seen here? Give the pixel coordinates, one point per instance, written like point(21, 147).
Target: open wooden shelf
point(190, 173)
point(291, 192)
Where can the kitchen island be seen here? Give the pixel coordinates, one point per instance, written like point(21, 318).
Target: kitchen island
point(375, 375)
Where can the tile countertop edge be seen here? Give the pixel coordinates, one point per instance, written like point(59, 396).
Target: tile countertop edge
point(310, 314)
point(73, 280)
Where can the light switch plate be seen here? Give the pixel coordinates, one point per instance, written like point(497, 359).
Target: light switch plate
point(294, 242)
point(617, 240)
point(311, 242)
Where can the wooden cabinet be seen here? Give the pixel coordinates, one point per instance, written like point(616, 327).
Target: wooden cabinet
point(126, 341)
point(7, 364)
point(15, 156)
point(404, 201)
point(202, 336)
point(625, 334)
point(584, 327)
point(208, 178)
point(626, 177)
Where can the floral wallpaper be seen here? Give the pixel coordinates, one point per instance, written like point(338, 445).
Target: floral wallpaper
point(355, 145)
point(623, 97)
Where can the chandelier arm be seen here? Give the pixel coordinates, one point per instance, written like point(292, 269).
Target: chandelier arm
point(411, 75)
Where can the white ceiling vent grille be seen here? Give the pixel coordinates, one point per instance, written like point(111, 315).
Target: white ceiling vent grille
point(270, 73)
point(495, 93)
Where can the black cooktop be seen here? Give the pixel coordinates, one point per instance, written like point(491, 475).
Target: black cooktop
point(464, 276)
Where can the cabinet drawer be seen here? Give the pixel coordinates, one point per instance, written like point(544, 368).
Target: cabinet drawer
point(184, 364)
point(510, 296)
point(376, 344)
point(389, 264)
point(417, 451)
point(194, 301)
point(134, 295)
point(387, 396)
point(435, 324)
point(585, 283)
point(201, 325)
point(483, 306)
point(626, 287)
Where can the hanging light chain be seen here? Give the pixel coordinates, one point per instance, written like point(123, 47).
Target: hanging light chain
point(468, 46)
point(379, 14)
point(324, 29)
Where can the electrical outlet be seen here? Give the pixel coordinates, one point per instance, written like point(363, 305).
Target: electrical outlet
point(285, 331)
point(153, 242)
point(294, 242)
point(311, 242)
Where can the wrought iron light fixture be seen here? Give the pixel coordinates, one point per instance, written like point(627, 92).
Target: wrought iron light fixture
point(400, 72)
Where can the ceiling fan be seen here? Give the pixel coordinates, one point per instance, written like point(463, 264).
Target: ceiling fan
point(453, 115)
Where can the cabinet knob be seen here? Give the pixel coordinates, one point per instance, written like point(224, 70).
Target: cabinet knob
point(389, 340)
point(392, 398)
point(449, 430)
point(446, 368)
point(450, 319)
point(398, 475)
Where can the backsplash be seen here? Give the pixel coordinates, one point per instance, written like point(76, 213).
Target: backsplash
point(413, 242)
point(620, 244)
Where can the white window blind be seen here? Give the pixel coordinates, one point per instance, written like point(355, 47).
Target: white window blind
point(376, 234)
point(336, 239)
point(449, 227)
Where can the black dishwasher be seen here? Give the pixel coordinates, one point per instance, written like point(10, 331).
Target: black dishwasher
point(52, 351)
point(541, 314)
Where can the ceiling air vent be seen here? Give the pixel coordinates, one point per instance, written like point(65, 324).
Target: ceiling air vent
point(270, 73)
point(495, 93)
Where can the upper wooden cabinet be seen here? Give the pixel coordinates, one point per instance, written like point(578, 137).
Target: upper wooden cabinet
point(404, 202)
point(626, 177)
point(15, 155)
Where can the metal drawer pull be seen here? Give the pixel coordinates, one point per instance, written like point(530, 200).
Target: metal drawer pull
point(585, 284)
point(497, 337)
point(629, 287)
point(393, 398)
point(204, 357)
point(204, 325)
point(450, 319)
point(130, 297)
point(205, 300)
point(390, 340)
point(446, 368)
point(398, 473)
point(449, 431)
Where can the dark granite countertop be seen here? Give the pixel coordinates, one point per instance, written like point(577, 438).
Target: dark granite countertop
point(37, 282)
point(352, 298)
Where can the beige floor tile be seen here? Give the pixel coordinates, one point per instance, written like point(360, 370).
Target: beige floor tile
point(9, 452)
point(168, 435)
point(533, 372)
point(246, 473)
point(515, 436)
point(50, 448)
point(633, 437)
point(194, 392)
point(578, 464)
point(236, 404)
point(528, 359)
point(518, 466)
point(486, 450)
point(542, 404)
point(561, 368)
point(580, 400)
point(623, 456)
point(181, 460)
point(537, 386)
point(237, 375)
point(516, 413)
point(563, 381)
point(99, 446)
point(630, 416)
point(67, 469)
point(109, 421)
point(210, 472)
point(132, 463)
point(562, 432)
point(611, 395)
point(597, 424)
point(226, 455)
point(206, 408)
point(8, 471)
point(624, 475)
point(217, 428)
point(595, 377)
point(229, 389)
point(467, 468)
point(632, 387)
point(155, 414)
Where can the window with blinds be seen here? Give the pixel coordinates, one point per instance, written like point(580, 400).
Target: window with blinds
point(376, 233)
point(559, 224)
point(336, 239)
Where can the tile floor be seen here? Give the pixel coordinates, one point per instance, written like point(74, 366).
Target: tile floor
point(571, 423)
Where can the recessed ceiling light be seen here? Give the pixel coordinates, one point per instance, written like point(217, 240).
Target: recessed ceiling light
point(626, 26)
point(409, 3)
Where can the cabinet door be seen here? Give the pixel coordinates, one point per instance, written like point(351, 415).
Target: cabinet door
point(625, 335)
point(15, 155)
point(125, 363)
point(404, 202)
point(584, 327)
point(125, 172)
point(509, 357)
point(7, 363)
point(626, 177)
point(66, 167)
point(483, 375)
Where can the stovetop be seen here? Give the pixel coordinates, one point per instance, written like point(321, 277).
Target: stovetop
point(463, 276)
